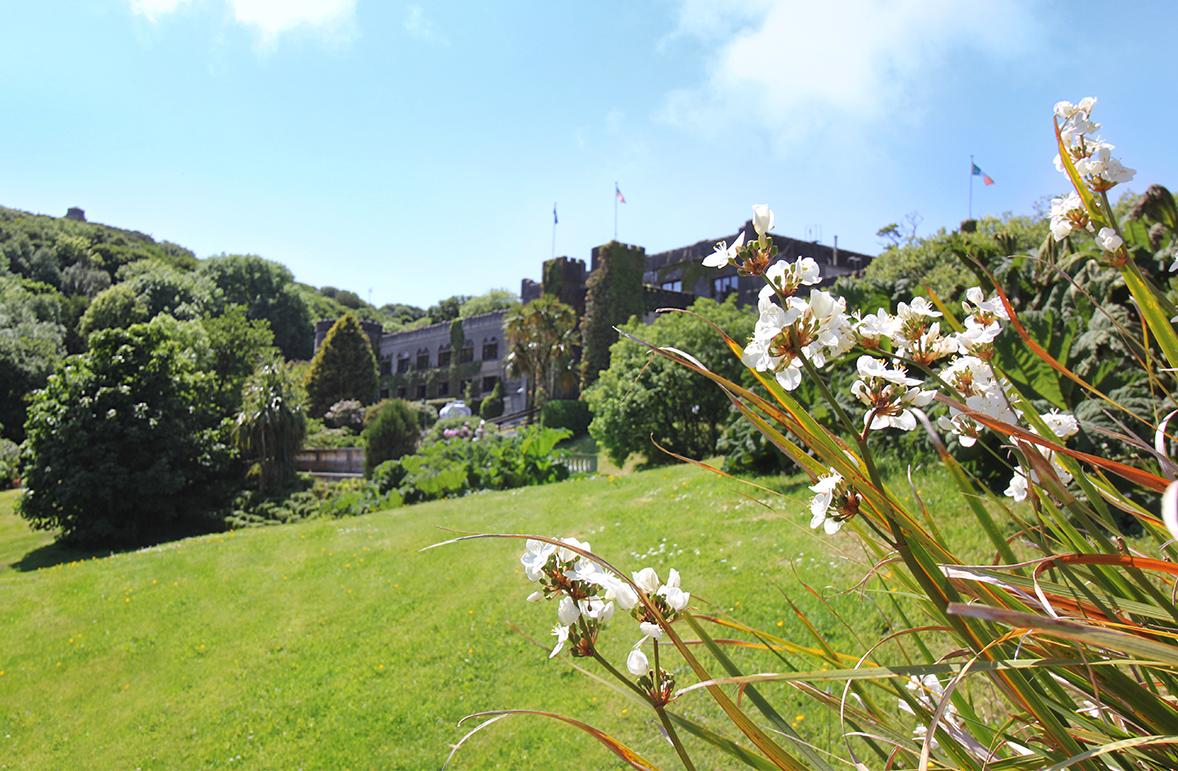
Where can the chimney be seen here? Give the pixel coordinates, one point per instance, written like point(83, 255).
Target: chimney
point(834, 257)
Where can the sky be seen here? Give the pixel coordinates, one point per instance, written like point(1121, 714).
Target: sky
point(412, 151)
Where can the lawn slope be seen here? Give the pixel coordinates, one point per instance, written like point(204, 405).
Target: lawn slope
point(336, 644)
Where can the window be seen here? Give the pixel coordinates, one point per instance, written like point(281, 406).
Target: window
point(725, 285)
point(421, 391)
point(402, 392)
point(384, 393)
point(674, 286)
point(422, 358)
point(402, 363)
point(443, 389)
point(490, 349)
point(489, 383)
point(444, 355)
point(386, 365)
point(467, 354)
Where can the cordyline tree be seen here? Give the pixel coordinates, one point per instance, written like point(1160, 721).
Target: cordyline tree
point(541, 337)
point(344, 367)
point(270, 427)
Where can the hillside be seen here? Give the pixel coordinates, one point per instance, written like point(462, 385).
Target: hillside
point(334, 643)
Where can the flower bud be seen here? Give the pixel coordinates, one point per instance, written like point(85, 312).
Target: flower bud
point(637, 663)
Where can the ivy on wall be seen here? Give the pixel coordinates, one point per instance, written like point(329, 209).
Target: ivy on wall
point(614, 295)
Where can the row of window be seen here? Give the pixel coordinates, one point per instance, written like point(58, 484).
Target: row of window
point(721, 285)
point(438, 390)
point(421, 361)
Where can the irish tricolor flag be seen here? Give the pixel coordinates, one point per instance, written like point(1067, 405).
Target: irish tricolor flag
point(977, 172)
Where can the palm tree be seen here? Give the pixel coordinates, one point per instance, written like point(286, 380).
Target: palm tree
point(541, 339)
point(271, 425)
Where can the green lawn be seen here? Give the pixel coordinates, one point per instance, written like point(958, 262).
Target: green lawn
point(335, 644)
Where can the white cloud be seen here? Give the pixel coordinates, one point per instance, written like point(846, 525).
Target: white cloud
point(796, 67)
point(420, 27)
point(152, 10)
point(269, 19)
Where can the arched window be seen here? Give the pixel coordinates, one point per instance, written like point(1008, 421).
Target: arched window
point(467, 354)
point(444, 355)
point(490, 348)
point(402, 362)
point(422, 358)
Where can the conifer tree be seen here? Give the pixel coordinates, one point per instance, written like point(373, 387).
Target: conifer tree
point(344, 367)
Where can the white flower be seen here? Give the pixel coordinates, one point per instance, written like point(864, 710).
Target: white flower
point(1017, 488)
point(561, 633)
point(568, 555)
point(567, 612)
point(969, 376)
point(616, 590)
point(870, 329)
point(820, 504)
point(536, 554)
point(1067, 214)
point(535, 596)
point(724, 253)
point(788, 276)
point(1064, 425)
point(918, 307)
point(637, 663)
point(870, 367)
point(647, 580)
point(992, 404)
point(975, 339)
point(889, 394)
point(966, 429)
point(983, 312)
point(1108, 240)
point(817, 328)
point(596, 609)
point(651, 629)
point(670, 591)
point(762, 219)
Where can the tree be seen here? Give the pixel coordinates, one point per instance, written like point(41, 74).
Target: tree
point(271, 425)
point(541, 337)
point(237, 347)
point(613, 296)
point(492, 406)
point(642, 396)
point(391, 435)
point(343, 368)
point(32, 342)
point(125, 445)
point(117, 307)
point(447, 309)
point(165, 289)
point(494, 300)
point(267, 291)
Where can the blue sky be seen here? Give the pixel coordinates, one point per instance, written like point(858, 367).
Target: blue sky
point(415, 150)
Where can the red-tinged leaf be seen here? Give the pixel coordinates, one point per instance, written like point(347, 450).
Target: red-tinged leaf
point(632, 758)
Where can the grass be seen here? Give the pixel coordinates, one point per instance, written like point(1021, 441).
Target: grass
point(335, 644)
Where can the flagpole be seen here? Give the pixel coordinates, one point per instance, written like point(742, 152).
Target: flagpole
point(554, 221)
point(971, 187)
point(615, 211)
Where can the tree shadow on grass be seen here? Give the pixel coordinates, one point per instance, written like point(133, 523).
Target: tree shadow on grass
point(56, 554)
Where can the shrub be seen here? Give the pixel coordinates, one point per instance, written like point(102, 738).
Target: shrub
point(637, 397)
point(9, 463)
point(124, 445)
point(566, 413)
point(346, 413)
point(426, 414)
point(492, 406)
point(320, 437)
point(269, 429)
point(392, 434)
point(344, 367)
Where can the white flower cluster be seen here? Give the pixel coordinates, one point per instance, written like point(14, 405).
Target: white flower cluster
point(834, 502)
point(1094, 162)
point(588, 595)
point(1064, 426)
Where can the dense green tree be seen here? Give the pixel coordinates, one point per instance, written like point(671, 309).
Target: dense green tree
point(267, 291)
point(125, 444)
point(541, 344)
point(641, 395)
point(271, 425)
point(494, 300)
point(613, 296)
point(402, 313)
point(393, 433)
point(32, 342)
point(447, 309)
point(237, 347)
point(344, 367)
point(165, 289)
point(116, 308)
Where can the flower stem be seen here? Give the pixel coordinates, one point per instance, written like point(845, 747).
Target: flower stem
point(674, 737)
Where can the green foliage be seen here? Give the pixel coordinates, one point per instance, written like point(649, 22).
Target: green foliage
point(494, 300)
point(572, 414)
point(392, 434)
point(267, 291)
point(32, 342)
point(163, 288)
point(613, 297)
point(237, 347)
point(426, 415)
point(638, 398)
point(492, 405)
point(541, 344)
point(344, 367)
point(347, 413)
point(124, 445)
point(747, 451)
point(116, 308)
point(468, 460)
point(320, 437)
point(270, 427)
point(354, 497)
point(9, 463)
point(447, 309)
